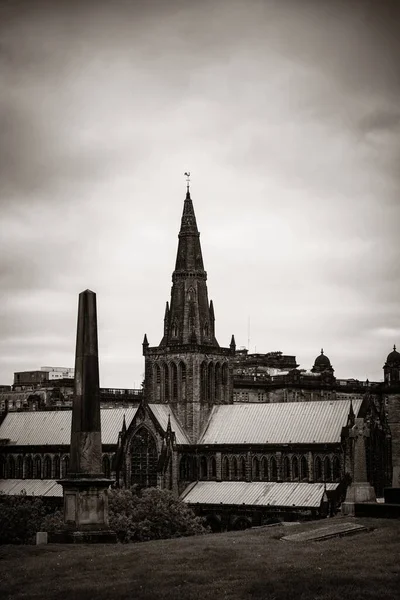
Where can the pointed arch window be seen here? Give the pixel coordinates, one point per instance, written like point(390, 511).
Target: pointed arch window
point(37, 468)
point(264, 469)
point(57, 470)
point(203, 468)
point(217, 381)
point(175, 328)
point(64, 467)
point(28, 467)
point(256, 468)
point(203, 381)
point(295, 468)
point(11, 467)
point(242, 467)
point(174, 373)
point(336, 468)
point(182, 378)
point(327, 469)
point(183, 468)
point(166, 382)
point(20, 467)
point(304, 468)
point(225, 468)
point(286, 469)
point(144, 459)
point(273, 469)
point(206, 330)
point(47, 467)
point(191, 294)
point(213, 467)
point(318, 469)
point(234, 468)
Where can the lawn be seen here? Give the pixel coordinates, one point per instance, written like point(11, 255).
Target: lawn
point(252, 564)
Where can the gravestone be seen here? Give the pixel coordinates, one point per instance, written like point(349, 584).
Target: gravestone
point(85, 488)
point(360, 490)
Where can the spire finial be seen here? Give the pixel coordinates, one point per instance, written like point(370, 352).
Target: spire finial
point(394, 347)
point(322, 350)
point(187, 173)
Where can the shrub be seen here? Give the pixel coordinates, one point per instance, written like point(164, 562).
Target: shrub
point(20, 518)
point(151, 514)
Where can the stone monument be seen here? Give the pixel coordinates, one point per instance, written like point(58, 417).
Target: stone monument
point(360, 490)
point(85, 487)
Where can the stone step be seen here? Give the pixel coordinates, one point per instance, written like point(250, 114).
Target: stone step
point(325, 533)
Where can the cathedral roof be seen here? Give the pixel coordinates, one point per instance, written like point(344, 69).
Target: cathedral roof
point(279, 423)
point(53, 427)
point(257, 493)
point(162, 413)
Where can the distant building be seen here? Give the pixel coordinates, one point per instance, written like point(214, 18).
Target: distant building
point(29, 380)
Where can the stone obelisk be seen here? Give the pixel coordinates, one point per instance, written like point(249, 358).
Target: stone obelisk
point(85, 487)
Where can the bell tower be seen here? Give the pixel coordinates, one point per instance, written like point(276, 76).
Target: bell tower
point(188, 369)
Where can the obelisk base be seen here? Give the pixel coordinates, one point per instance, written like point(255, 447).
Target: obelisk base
point(357, 493)
point(85, 511)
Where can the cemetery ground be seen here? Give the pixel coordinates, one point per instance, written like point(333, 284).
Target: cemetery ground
point(254, 564)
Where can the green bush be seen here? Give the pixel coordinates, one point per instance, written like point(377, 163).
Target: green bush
point(20, 518)
point(151, 514)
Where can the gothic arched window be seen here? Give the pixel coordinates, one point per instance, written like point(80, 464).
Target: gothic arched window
point(242, 467)
point(144, 459)
point(20, 467)
point(11, 467)
point(304, 467)
point(166, 383)
point(203, 468)
point(183, 468)
point(182, 379)
point(336, 468)
point(47, 467)
point(234, 468)
point(256, 468)
point(327, 469)
point(264, 468)
point(56, 463)
point(28, 467)
point(203, 381)
point(225, 468)
point(213, 467)
point(174, 373)
point(295, 468)
point(64, 467)
point(318, 469)
point(286, 469)
point(274, 469)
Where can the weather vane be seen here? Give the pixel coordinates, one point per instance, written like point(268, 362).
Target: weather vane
point(187, 173)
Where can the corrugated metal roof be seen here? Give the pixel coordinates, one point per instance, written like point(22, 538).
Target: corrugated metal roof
point(53, 427)
point(161, 413)
point(279, 423)
point(32, 487)
point(257, 493)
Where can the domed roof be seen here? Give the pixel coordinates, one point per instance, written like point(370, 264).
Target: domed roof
point(322, 360)
point(394, 356)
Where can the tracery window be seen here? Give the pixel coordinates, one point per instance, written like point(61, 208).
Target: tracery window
point(264, 468)
point(336, 468)
point(274, 469)
point(20, 467)
point(203, 468)
point(242, 467)
point(56, 463)
point(256, 468)
point(144, 459)
point(286, 469)
point(28, 467)
point(213, 467)
point(295, 468)
point(318, 469)
point(234, 468)
point(327, 469)
point(225, 468)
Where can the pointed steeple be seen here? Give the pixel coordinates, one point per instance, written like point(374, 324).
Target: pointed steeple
point(145, 344)
point(189, 318)
point(124, 426)
point(232, 345)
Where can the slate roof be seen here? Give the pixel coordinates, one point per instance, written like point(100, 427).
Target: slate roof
point(32, 487)
point(53, 427)
point(279, 423)
point(161, 413)
point(257, 493)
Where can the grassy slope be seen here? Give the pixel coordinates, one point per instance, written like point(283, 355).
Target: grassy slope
point(250, 564)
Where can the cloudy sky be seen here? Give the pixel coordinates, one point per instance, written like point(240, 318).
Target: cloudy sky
point(287, 114)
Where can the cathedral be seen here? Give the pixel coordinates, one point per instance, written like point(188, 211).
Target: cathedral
point(239, 437)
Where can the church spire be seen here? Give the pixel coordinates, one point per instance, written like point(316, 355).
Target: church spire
point(190, 317)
